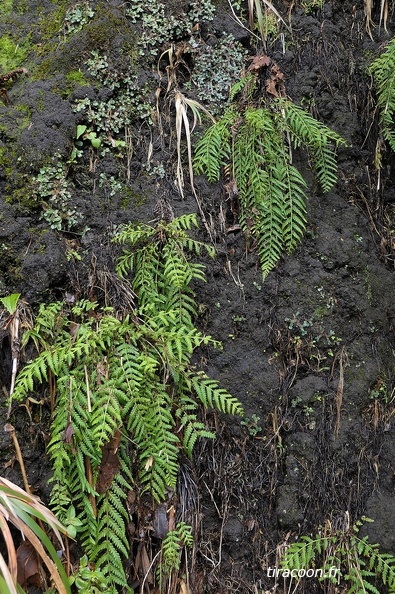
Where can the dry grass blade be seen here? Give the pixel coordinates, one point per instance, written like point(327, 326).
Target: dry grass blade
point(9, 542)
point(255, 7)
point(181, 105)
point(342, 358)
point(21, 509)
point(36, 542)
point(368, 6)
point(383, 15)
point(6, 581)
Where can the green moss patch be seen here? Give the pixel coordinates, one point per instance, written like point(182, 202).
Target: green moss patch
point(13, 52)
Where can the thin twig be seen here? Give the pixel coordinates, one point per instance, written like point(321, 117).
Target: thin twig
point(11, 430)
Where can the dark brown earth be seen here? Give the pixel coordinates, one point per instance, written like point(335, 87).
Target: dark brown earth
point(309, 352)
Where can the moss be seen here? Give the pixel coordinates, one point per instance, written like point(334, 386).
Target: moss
point(77, 78)
point(26, 113)
point(21, 6)
point(13, 52)
point(320, 312)
point(6, 7)
point(139, 199)
point(50, 24)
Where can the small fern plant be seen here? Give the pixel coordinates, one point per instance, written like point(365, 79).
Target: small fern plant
point(253, 141)
point(383, 71)
point(125, 389)
point(343, 557)
point(172, 547)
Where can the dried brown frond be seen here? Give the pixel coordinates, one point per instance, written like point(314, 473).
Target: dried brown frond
point(10, 78)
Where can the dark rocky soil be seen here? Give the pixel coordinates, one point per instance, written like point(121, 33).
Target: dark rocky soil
point(309, 352)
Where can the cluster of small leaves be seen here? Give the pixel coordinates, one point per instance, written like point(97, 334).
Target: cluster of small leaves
point(359, 563)
point(253, 142)
point(383, 71)
point(54, 190)
point(88, 579)
point(216, 69)
point(159, 23)
point(77, 16)
point(128, 102)
point(130, 378)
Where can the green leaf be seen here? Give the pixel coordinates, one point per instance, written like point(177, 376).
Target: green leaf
point(10, 302)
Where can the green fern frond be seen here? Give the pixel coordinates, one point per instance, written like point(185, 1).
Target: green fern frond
point(361, 562)
point(383, 71)
point(211, 395)
point(294, 221)
point(254, 142)
point(214, 148)
point(317, 138)
point(131, 377)
point(172, 547)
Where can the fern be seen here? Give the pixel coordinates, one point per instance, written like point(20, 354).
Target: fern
point(252, 142)
point(128, 377)
point(172, 547)
point(383, 71)
point(357, 561)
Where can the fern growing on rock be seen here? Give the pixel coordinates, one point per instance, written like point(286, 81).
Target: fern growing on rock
point(123, 381)
point(383, 71)
point(253, 142)
point(343, 557)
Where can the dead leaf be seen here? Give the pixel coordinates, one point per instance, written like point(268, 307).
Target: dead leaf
point(160, 523)
point(28, 566)
point(110, 464)
point(258, 62)
point(68, 434)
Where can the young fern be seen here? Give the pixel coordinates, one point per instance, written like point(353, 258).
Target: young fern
point(252, 142)
point(123, 381)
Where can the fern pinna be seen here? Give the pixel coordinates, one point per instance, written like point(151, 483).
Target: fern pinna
point(253, 140)
point(121, 382)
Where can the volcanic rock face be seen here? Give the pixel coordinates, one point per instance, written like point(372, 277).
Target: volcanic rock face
point(309, 352)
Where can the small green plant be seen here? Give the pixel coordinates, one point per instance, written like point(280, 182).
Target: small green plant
point(359, 565)
point(53, 188)
point(77, 16)
point(252, 424)
point(173, 544)
point(89, 579)
point(107, 122)
point(122, 381)
point(253, 141)
point(160, 24)
point(310, 6)
point(216, 69)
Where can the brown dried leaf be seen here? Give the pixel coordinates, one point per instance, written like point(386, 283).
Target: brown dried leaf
point(110, 464)
point(258, 62)
point(28, 565)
